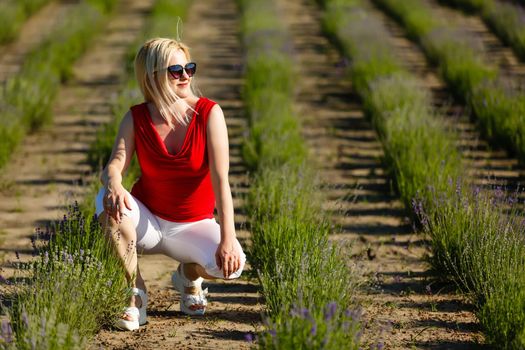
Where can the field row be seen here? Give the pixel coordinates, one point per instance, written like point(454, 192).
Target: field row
point(473, 232)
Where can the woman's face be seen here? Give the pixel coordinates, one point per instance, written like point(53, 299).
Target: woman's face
point(181, 86)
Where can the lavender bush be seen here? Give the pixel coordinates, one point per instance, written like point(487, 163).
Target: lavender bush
point(74, 286)
point(296, 264)
point(475, 238)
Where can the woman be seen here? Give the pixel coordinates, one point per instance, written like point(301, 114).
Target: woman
point(181, 144)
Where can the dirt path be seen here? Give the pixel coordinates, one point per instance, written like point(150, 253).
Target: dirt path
point(404, 308)
point(48, 169)
point(234, 306)
point(33, 32)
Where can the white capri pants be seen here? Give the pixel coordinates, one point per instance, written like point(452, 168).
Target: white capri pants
point(186, 242)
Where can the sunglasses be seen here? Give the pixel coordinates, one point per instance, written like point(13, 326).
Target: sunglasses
point(176, 71)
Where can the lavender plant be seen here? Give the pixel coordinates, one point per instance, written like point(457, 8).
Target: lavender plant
point(296, 264)
point(469, 73)
point(326, 327)
point(506, 20)
point(13, 14)
point(74, 286)
point(415, 139)
point(26, 99)
point(481, 242)
point(473, 236)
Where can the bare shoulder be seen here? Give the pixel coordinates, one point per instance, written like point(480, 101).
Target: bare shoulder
point(216, 114)
point(216, 110)
point(126, 125)
point(128, 118)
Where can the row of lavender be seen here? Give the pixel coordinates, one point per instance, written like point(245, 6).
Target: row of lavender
point(477, 239)
point(307, 283)
point(13, 14)
point(26, 99)
point(506, 19)
point(76, 285)
point(497, 102)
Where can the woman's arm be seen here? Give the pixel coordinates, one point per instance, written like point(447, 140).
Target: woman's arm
point(228, 255)
point(115, 198)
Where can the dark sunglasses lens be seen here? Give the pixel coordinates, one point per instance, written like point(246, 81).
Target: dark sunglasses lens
point(175, 71)
point(191, 68)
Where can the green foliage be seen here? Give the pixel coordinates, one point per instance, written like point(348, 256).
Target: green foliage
point(480, 243)
point(501, 112)
point(297, 267)
point(504, 18)
point(13, 14)
point(76, 285)
point(419, 147)
point(475, 238)
point(27, 98)
point(464, 65)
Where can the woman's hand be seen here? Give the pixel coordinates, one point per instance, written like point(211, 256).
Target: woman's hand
point(228, 256)
point(115, 200)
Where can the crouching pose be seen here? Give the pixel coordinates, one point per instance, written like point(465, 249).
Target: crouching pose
point(181, 144)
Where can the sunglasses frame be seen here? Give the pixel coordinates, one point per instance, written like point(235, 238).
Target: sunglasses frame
point(177, 74)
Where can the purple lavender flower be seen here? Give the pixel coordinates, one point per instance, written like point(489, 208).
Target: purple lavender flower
point(428, 289)
point(33, 242)
point(43, 329)
point(313, 330)
point(7, 331)
point(498, 193)
point(25, 319)
point(331, 308)
point(248, 337)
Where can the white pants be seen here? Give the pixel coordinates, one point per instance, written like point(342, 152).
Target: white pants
point(186, 242)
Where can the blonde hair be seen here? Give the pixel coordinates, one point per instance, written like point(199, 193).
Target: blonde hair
point(150, 70)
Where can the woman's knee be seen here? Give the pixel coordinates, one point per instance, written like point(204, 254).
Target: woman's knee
point(116, 230)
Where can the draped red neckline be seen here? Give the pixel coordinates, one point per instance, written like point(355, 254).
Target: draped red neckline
point(185, 141)
point(176, 187)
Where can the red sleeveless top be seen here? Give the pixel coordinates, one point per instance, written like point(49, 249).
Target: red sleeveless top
point(175, 187)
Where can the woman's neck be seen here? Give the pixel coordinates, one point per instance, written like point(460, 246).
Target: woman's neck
point(185, 107)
